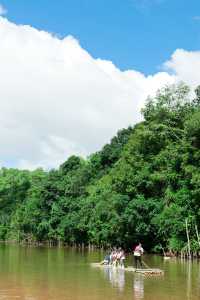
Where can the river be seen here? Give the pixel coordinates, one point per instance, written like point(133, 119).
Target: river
point(30, 273)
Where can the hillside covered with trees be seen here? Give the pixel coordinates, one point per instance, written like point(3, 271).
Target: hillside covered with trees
point(142, 186)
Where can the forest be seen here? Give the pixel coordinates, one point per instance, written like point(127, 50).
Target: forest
point(142, 186)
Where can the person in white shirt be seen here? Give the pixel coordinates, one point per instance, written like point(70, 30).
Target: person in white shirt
point(138, 252)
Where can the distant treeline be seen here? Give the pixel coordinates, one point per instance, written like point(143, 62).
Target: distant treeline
point(142, 186)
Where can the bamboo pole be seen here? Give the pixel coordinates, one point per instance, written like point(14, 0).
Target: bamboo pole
point(163, 251)
point(197, 233)
point(188, 238)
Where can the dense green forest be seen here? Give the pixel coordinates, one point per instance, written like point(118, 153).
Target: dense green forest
point(142, 186)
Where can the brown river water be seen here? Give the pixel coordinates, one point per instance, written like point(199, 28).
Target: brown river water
point(66, 274)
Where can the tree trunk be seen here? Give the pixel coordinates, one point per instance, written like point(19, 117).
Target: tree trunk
point(188, 238)
point(197, 233)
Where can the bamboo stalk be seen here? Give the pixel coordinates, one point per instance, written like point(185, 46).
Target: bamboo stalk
point(163, 251)
point(197, 233)
point(188, 238)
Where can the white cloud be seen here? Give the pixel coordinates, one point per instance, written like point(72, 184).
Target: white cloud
point(185, 65)
point(3, 11)
point(196, 18)
point(57, 100)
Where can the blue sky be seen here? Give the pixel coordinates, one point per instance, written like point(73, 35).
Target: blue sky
point(133, 34)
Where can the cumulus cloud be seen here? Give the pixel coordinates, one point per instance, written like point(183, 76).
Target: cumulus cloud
point(57, 100)
point(185, 65)
point(3, 11)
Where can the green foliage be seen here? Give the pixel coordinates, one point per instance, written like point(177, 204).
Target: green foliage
point(139, 187)
point(192, 128)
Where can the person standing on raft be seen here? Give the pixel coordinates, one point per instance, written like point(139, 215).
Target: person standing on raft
point(138, 252)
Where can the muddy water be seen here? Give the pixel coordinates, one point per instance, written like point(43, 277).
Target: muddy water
point(42, 273)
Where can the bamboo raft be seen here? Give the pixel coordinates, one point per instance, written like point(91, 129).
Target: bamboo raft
point(145, 272)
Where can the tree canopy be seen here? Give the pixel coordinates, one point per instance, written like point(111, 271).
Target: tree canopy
point(142, 186)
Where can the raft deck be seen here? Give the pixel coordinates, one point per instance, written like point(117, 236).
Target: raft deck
point(131, 269)
point(145, 271)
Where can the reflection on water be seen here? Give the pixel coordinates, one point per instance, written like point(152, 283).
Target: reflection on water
point(66, 274)
point(116, 276)
point(138, 286)
point(189, 280)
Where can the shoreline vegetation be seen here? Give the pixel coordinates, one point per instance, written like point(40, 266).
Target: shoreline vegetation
point(88, 247)
point(142, 186)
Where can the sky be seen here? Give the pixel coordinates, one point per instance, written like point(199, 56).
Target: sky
point(72, 73)
point(133, 34)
